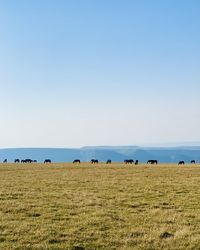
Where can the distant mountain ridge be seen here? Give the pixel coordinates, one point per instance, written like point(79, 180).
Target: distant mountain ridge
point(102, 153)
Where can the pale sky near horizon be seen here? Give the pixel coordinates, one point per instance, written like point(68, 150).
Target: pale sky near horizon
point(109, 72)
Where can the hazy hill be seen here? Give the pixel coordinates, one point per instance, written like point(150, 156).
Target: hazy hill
point(116, 154)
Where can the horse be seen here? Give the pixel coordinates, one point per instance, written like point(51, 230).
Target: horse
point(152, 162)
point(5, 161)
point(16, 160)
point(108, 162)
point(26, 161)
point(130, 161)
point(47, 161)
point(94, 161)
point(136, 162)
point(76, 161)
point(192, 161)
point(181, 163)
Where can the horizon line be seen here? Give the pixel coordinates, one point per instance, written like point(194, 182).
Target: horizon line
point(164, 145)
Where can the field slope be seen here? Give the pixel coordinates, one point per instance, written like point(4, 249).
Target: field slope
point(65, 206)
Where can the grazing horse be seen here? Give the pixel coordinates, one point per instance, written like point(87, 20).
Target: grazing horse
point(192, 161)
point(76, 161)
point(26, 161)
point(94, 161)
point(47, 161)
point(128, 161)
point(5, 161)
point(16, 160)
point(181, 163)
point(152, 162)
point(108, 162)
point(136, 162)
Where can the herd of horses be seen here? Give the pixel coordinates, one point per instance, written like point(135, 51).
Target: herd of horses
point(93, 161)
point(27, 161)
point(182, 162)
point(131, 161)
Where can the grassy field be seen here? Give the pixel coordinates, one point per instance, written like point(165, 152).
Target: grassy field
point(65, 206)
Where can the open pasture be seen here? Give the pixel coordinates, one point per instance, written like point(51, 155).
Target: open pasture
point(117, 206)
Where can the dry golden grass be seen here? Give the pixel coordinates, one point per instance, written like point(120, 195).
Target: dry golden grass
point(66, 206)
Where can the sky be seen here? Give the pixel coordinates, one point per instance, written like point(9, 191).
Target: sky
point(110, 72)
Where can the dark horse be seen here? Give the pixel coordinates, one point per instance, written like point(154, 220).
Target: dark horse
point(76, 161)
point(47, 161)
point(108, 162)
point(94, 161)
point(192, 161)
point(26, 161)
point(16, 160)
point(5, 161)
point(152, 162)
point(181, 163)
point(128, 161)
point(136, 162)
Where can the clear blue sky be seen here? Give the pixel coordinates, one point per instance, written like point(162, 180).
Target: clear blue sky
point(109, 72)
